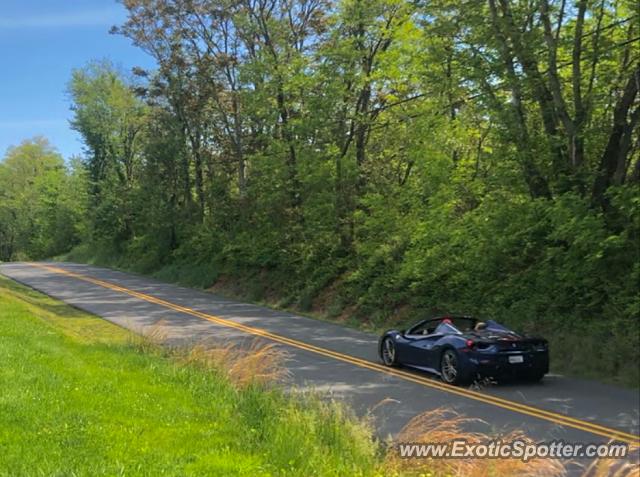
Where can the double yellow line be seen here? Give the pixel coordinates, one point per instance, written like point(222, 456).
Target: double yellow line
point(553, 417)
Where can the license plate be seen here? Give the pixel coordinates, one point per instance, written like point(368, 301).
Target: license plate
point(518, 358)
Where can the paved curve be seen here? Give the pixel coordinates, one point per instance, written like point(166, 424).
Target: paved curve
point(342, 361)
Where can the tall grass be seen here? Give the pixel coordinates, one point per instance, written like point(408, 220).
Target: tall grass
point(444, 425)
point(258, 364)
point(613, 468)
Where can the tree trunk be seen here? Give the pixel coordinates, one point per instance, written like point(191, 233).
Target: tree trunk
point(614, 153)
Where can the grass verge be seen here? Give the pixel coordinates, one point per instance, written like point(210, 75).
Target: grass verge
point(81, 396)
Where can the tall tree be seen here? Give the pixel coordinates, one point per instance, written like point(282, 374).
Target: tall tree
point(111, 121)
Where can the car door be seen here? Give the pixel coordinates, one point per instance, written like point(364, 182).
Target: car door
point(419, 342)
point(421, 350)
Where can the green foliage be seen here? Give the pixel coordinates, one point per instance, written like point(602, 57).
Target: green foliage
point(111, 120)
point(42, 202)
point(552, 268)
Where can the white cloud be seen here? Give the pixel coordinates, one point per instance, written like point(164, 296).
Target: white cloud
point(104, 17)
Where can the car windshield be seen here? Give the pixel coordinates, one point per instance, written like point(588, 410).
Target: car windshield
point(464, 323)
point(492, 325)
point(454, 325)
point(446, 329)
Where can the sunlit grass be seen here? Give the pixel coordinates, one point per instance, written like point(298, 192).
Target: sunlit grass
point(80, 397)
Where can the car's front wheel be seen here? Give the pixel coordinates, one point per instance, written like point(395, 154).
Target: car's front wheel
point(450, 368)
point(388, 352)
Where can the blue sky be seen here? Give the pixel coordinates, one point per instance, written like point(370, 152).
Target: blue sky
point(41, 41)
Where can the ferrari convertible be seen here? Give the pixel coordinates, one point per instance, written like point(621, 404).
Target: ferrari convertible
point(461, 349)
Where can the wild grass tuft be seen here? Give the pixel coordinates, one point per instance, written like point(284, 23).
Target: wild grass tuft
point(259, 363)
point(614, 467)
point(444, 425)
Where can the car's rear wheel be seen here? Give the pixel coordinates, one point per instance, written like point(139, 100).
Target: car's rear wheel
point(388, 352)
point(450, 368)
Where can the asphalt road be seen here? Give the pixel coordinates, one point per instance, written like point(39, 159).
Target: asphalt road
point(341, 361)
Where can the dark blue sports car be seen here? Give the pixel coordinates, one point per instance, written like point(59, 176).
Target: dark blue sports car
point(461, 349)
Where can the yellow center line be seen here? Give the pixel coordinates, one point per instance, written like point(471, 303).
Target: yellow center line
point(550, 416)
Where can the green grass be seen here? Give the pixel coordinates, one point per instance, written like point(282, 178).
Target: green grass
point(80, 396)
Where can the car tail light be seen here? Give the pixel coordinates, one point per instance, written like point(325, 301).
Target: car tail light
point(470, 343)
point(541, 346)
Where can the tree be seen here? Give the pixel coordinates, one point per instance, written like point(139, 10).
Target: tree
point(111, 121)
point(40, 212)
point(558, 58)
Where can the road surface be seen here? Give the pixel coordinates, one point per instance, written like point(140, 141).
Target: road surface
point(339, 360)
